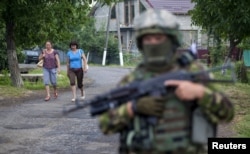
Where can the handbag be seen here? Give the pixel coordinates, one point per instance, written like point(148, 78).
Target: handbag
point(87, 66)
point(40, 63)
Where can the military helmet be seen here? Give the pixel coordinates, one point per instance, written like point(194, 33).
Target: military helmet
point(156, 21)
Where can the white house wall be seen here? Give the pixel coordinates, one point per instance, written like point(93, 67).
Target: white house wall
point(101, 16)
point(185, 26)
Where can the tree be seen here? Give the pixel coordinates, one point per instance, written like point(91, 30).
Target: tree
point(228, 19)
point(30, 22)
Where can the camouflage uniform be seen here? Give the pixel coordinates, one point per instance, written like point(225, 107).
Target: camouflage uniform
point(172, 133)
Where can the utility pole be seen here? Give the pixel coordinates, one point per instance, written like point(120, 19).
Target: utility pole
point(119, 34)
point(107, 37)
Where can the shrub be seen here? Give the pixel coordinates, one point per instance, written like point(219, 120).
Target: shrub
point(5, 79)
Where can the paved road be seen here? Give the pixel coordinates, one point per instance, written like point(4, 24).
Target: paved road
point(36, 127)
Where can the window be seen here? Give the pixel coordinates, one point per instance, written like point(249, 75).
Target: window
point(132, 12)
point(187, 37)
point(129, 11)
point(113, 13)
point(126, 12)
point(142, 8)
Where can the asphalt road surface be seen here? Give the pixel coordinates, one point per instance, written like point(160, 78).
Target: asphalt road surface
point(37, 127)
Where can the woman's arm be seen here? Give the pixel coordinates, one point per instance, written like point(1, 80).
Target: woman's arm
point(67, 65)
point(42, 55)
point(84, 62)
point(58, 63)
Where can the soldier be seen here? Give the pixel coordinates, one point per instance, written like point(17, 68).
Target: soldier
point(158, 37)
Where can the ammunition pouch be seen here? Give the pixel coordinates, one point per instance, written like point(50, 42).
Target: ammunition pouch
point(202, 128)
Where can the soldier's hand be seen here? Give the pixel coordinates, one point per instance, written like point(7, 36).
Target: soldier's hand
point(149, 105)
point(186, 90)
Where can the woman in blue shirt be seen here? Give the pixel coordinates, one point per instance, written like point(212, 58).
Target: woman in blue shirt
point(76, 67)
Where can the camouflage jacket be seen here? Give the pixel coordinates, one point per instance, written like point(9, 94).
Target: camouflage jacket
point(215, 105)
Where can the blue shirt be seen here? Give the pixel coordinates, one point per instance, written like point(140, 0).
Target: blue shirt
point(75, 58)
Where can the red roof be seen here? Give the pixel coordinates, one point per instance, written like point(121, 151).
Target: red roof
point(174, 6)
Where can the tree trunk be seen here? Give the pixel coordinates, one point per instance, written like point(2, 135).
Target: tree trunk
point(11, 52)
point(227, 60)
point(232, 46)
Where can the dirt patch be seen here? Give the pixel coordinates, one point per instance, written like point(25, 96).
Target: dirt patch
point(26, 96)
point(33, 94)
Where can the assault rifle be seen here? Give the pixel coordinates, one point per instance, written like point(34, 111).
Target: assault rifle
point(138, 89)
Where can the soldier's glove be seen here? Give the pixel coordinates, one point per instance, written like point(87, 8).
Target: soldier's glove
point(149, 105)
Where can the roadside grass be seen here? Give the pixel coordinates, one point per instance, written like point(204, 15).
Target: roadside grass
point(243, 127)
point(239, 94)
point(9, 91)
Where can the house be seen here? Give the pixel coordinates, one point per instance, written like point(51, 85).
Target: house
point(128, 9)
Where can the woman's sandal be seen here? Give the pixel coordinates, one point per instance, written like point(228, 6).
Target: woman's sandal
point(47, 98)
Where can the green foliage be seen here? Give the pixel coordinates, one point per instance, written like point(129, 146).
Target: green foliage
point(241, 72)
point(5, 79)
point(20, 55)
point(227, 19)
point(3, 60)
point(36, 22)
point(3, 56)
point(131, 59)
point(94, 41)
point(245, 44)
point(217, 54)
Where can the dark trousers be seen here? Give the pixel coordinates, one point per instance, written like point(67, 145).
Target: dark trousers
point(74, 74)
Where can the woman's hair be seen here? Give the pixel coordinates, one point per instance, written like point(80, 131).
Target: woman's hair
point(73, 43)
point(48, 41)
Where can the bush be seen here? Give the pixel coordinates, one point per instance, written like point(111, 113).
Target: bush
point(217, 55)
point(5, 79)
point(132, 59)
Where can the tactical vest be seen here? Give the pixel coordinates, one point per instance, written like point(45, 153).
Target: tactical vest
point(172, 132)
